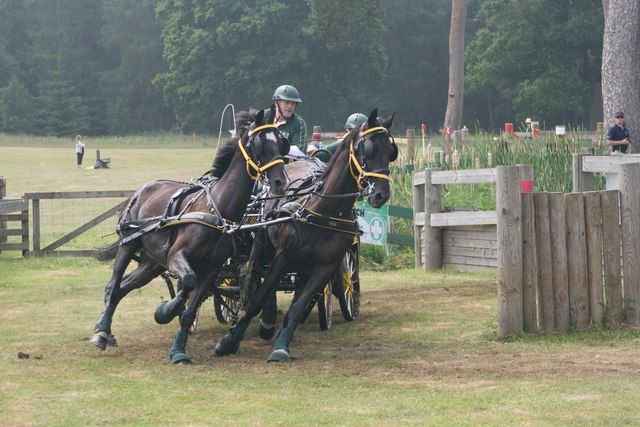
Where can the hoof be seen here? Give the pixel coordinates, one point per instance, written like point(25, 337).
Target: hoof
point(180, 359)
point(100, 340)
point(111, 341)
point(226, 346)
point(266, 332)
point(279, 355)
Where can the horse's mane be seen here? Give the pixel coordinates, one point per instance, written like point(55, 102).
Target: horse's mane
point(343, 146)
point(225, 152)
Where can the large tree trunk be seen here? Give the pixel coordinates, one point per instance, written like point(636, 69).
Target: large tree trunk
point(621, 65)
point(453, 116)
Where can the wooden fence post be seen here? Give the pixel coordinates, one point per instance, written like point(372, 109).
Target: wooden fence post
point(582, 181)
point(35, 214)
point(457, 139)
point(546, 307)
point(509, 231)
point(593, 235)
point(3, 194)
point(411, 146)
point(529, 267)
point(418, 206)
point(599, 134)
point(630, 209)
point(432, 235)
point(559, 268)
point(578, 271)
point(611, 251)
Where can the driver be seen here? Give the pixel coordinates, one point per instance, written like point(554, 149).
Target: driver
point(293, 127)
point(356, 119)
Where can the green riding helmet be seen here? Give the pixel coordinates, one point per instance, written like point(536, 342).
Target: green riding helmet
point(287, 93)
point(354, 120)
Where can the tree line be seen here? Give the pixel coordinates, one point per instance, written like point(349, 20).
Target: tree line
point(132, 66)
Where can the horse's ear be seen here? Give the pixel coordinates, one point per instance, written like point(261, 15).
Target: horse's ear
point(259, 120)
point(389, 122)
point(271, 115)
point(373, 119)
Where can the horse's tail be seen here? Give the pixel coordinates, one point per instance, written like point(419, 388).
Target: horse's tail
point(107, 253)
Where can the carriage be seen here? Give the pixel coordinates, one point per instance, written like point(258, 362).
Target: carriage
point(206, 237)
point(235, 282)
point(239, 277)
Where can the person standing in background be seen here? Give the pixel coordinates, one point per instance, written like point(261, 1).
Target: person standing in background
point(79, 150)
point(618, 135)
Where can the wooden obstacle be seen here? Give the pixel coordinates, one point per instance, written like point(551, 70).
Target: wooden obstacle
point(563, 260)
point(463, 240)
point(580, 259)
point(54, 248)
point(13, 211)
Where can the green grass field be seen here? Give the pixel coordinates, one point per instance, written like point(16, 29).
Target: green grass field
point(423, 352)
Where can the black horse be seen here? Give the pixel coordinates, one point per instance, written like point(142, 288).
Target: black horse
point(316, 243)
point(186, 235)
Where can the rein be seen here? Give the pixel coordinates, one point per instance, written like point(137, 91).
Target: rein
point(251, 166)
point(359, 173)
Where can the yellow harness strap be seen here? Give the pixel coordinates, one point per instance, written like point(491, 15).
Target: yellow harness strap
point(251, 165)
point(353, 161)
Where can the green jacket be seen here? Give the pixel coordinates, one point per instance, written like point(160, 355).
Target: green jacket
point(295, 129)
point(331, 148)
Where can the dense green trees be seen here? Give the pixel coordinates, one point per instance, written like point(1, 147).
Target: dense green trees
point(128, 66)
point(537, 58)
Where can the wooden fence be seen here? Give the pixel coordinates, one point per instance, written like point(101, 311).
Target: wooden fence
point(14, 211)
point(463, 240)
point(577, 265)
point(55, 247)
point(585, 167)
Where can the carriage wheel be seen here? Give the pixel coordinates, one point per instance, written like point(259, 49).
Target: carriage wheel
point(226, 307)
point(325, 308)
point(346, 284)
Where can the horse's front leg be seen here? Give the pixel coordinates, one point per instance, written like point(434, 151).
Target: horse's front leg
point(178, 264)
point(230, 343)
point(318, 278)
point(178, 349)
point(112, 295)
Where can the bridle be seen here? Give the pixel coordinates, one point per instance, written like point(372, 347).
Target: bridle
point(358, 171)
point(254, 170)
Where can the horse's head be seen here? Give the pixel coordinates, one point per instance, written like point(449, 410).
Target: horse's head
point(372, 153)
point(263, 147)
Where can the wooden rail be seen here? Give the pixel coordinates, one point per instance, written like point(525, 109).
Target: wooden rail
point(12, 211)
point(585, 166)
point(54, 248)
point(437, 234)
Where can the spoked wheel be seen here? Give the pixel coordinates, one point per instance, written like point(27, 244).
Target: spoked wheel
point(325, 308)
point(226, 307)
point(346, 284)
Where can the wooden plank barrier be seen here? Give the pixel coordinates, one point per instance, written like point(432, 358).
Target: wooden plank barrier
point(629, 212)
point(576, 269)
point(12, 211)
point(560, 258)
point(54, 247)
point(464, 240)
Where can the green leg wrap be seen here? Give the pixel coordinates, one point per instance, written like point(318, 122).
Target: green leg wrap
point(177, 354)
point(104, 324)
point(230, 343)
point(280, 351)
